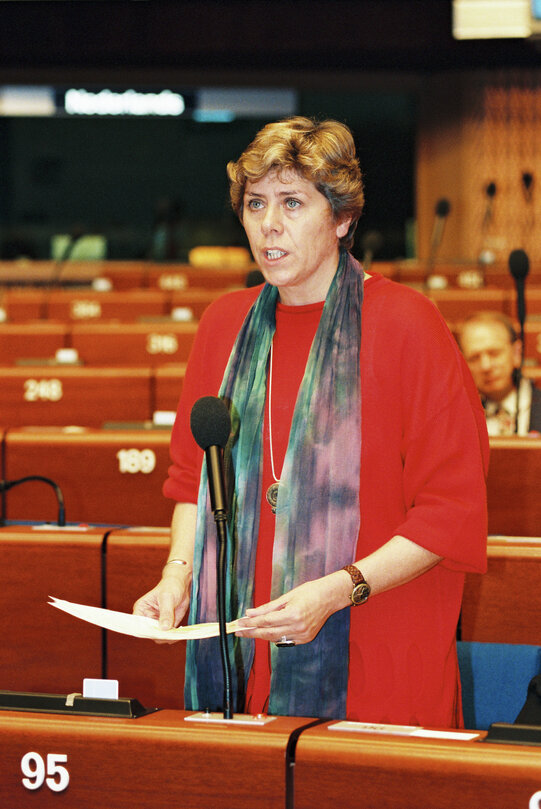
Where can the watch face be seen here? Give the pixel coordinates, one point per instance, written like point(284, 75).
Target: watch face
point(360, 593)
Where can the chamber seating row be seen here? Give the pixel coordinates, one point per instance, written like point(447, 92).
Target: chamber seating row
point(226, 271)
point(83, 305)
point(112, 567)
point(121, 274)
point(116, 475)
point(147, 344)
point(87, 396)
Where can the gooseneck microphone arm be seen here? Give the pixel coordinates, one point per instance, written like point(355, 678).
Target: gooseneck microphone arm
point(211, 424)
point(6, 485)
point(441, 211)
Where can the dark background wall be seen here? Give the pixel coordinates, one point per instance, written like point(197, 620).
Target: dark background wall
point(361, 62)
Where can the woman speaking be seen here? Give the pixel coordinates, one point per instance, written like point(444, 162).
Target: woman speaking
point(356, 463)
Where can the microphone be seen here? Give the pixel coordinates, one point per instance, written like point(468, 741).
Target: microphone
point(490, 191)
point(527, 184)
point(6, 485)
point(371, 243)
point(519, 266)
point(441, 210)
point(211, 424)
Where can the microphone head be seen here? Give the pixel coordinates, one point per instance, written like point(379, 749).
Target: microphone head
point(491, 190)
point(443, 206)
point(210, 422)
point(527, 180)
point(519, 264)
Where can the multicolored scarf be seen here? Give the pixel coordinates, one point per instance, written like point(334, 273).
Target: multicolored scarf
point(317, 515)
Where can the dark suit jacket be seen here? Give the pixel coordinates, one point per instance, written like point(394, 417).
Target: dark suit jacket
point(535, 411)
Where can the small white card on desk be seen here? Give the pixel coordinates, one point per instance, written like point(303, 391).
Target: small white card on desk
point(100, 689)
point(403, 730)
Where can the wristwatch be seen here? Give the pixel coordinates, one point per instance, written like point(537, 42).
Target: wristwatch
point(361, 589)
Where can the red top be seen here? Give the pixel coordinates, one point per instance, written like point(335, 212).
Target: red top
point(423, 464)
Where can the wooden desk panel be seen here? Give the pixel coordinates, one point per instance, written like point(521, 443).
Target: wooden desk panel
point(124, 274)
point(339, 769)
point(456, 304)
point(514, 504)
point(496, 275)
point(532, 340)
point(43, 273)
point(64, 395)
point(195, 299)
point(151, 672)
point(86, 305)
point(43, 649)
point(34, 340)
point(106, 476)
point(168, 381)
point(504, 604)
point(158, 760)
point(148, 344)
point(178, 276)
point(22, 304)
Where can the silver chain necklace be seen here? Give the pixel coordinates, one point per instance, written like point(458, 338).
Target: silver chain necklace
point(272, 491)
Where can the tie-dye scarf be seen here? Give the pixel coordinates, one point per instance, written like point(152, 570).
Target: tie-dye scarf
point(317, 515)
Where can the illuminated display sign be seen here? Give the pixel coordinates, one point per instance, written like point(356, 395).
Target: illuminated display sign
point(127, 102)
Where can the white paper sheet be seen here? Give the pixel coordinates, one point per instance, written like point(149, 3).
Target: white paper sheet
point(138, 625)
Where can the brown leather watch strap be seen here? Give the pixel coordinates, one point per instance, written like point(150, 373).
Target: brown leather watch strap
point(356, 575)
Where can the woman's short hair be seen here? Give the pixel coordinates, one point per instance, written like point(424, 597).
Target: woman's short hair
point(320, 151)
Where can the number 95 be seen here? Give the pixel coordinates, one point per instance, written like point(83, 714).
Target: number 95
point(37, 773)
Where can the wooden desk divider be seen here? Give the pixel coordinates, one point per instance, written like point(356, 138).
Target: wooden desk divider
point(112, 477)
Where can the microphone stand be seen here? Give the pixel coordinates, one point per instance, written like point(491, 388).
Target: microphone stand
point(6, 485)
point(521, 311)
point(219, 508)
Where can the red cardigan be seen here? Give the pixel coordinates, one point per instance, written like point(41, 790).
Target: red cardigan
point(424, 456)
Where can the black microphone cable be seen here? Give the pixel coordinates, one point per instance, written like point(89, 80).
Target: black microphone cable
point(6, 485)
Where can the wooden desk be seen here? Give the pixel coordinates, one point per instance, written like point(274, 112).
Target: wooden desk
point(341, 769)
point(43, 273)
point(151, 672)
point(168, 381)
point(133, 343)
point(496, 275)
point(456, 304)
point(504, 604)
point(514, 504)
point(86, 305)
point(196, 299)
point(63, 395)
point(111, 477)
point(22, 304)
point(35, 340)
point(43, 649)
point(158, 760)
point(532, 340)
point(180, 276)
point(124, 274)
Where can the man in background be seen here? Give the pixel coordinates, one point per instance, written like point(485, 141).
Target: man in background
point(493, 352)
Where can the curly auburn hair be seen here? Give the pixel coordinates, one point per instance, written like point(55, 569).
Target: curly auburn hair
point(322, 152)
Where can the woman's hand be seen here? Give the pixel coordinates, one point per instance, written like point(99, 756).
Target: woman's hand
point(299, 614)
point(168, 602)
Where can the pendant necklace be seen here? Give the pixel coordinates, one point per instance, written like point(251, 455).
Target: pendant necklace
point(272, 491)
